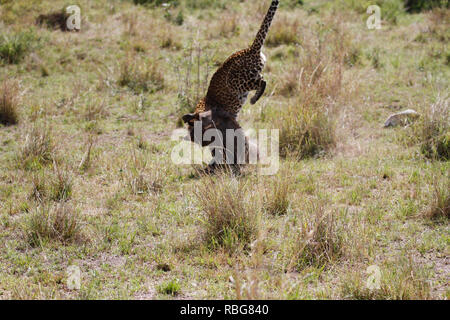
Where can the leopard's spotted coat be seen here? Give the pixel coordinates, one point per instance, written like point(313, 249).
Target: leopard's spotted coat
point(239, 74)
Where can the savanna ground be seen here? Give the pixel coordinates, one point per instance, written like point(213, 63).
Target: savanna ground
point(86, 177)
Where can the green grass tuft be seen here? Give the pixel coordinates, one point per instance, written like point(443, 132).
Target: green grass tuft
point(231, 217)
point(171, 287)
point(14, 47)
point(140, 76)
point(52, 222)
point(38, 148)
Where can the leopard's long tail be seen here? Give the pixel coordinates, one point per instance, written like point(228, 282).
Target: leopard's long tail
point(262, 33)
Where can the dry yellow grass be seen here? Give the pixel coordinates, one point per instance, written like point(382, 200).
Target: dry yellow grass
point(9, 100)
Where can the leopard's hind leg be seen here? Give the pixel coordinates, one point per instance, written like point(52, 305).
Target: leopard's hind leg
point(261, 87)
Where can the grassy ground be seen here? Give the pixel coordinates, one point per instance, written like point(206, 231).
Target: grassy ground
point(86, 177)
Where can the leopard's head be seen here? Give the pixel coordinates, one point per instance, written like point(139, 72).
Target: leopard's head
point(212, 119)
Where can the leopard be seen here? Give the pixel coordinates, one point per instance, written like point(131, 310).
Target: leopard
point(231, 84)
point(229, 89)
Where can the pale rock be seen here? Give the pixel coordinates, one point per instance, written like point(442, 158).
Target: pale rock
point(401, 118)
